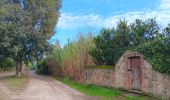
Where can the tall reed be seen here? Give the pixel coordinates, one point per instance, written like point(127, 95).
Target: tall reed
point(70, 60)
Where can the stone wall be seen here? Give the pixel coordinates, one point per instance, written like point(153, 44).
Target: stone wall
point(155, 82)
point(123, 70)
point(120, 77)
point(103, 77)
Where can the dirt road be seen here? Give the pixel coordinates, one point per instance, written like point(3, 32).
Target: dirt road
point(43, 88)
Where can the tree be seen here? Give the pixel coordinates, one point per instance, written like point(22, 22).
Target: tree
point(26, 26)
point(122, 34)
point(103, 50)
point(110, 44)
point(166, 31)
point(143, 31)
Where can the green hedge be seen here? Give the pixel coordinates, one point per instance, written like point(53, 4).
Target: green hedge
point(101, 67)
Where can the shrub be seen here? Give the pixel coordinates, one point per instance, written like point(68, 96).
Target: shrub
point(143, 36)
point(7, 64)
point(157, 53)
point(42, 67)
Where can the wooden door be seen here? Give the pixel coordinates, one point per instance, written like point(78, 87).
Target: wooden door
point(135, 66)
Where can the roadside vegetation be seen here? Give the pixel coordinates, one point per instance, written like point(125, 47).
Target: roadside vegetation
point(106, 48)
point(68, 61)
point(24, 30)
point(102, 92)
point(101, 67)
point(145, 37)
point(7, 64)
point(91, 90)
point(26, 27)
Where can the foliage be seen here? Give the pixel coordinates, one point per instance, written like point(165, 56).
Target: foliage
point(143, 36)
point(157, 53)
point(69, 60)
point(100, 67)
point(110, 44)
point(7, 64)
point(42, 67)
point(25, 27)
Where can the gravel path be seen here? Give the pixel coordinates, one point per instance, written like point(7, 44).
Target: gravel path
point(44, 88)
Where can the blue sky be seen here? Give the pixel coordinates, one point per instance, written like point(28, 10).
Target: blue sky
point(83, 16)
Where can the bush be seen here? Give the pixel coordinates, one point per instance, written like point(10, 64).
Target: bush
point(157, 53)
point(7, 64)
point(143, 36)
point(42, 67)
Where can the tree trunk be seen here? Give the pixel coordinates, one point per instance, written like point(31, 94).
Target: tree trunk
point(19, 65)
point(17, 71)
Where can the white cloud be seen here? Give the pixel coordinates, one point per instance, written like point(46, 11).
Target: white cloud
point(93, 20)
point(165, 4)
point(75, 21)
point(161, 14)
point(162, 17)
point(129, 16)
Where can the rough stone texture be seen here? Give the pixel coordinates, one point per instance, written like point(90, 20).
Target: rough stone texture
point(155, 82)
point(151, 81)
point(122, 73)
point(104, 77)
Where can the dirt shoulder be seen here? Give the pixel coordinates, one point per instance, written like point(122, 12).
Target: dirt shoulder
point(41, 88)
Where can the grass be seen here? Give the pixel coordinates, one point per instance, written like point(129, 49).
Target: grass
point(99, 91)
point(15, 83)
point(130, 97)
point(101, 67)
point(91, 90)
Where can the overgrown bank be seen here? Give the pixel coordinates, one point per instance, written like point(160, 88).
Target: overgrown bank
point(104, 92)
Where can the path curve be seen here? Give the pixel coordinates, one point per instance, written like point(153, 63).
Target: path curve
point(46, 88)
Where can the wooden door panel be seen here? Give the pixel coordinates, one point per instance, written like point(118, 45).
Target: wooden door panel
point(135, 73)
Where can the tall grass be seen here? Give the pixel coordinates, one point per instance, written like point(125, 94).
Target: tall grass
point(70, 60)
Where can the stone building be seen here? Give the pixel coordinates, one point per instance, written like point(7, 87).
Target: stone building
point(132, 72)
